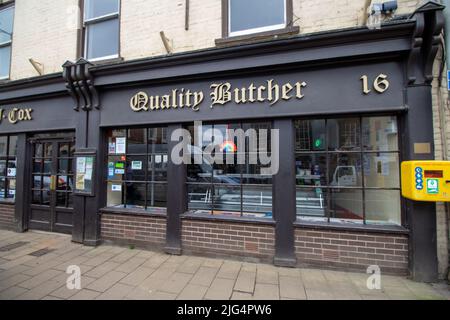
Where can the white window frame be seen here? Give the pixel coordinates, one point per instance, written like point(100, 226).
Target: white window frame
point(91, 21)
point(255, 30)
point(8, 43)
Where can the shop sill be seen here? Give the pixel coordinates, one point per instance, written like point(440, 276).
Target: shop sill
point(383, 229)
point(255, 37)
point(12, 203)
point(212, 218)
point(132, 212)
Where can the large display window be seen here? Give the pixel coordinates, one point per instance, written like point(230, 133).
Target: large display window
point(347, 169)
point(137, 169)
point(237, 187)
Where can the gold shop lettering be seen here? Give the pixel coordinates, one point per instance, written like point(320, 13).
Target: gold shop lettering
point(221, 94)
point(16, 114)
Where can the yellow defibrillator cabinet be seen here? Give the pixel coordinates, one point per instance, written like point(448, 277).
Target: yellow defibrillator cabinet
point(426, 180)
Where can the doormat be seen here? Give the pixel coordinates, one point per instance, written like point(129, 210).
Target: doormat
point(13, 246)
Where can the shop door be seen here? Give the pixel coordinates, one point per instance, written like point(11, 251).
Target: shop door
point(51, 207)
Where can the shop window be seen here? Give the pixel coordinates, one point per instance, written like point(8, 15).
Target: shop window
point(246, 17)
point(101, 29)
point(8, 151)
point(6, 30)
point(234, 184)
point(137, 169)
point(348, 170)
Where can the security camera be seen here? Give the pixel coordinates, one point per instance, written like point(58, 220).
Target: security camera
point(389, 6)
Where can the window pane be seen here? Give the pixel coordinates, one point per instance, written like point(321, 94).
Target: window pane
point(345, 170)
point(137, 143)
point(37, 166)
point(257, 201)
point(311, 169)
point(3, 145)
point(344, 134)
point(157, 140)
point(2, 167)
point(62, 183)
point(37, 184)
point(48, 149)
point(157, 195)
point(135, 193)
point(11, 185)
point(383, 206)
point(135, 168)
point(310, 135)
point(380, 134)
point(65, 166)
point(381, 170)
point(6, 24)
point(157, 167)
point(311, 202)
point(2, 188)
point(346, 204)
point(64, 150)
point(98, 8)
point(199, 197)
point(227, 200)
point(12, 146)
point(227, 174)
point(116, 141)
point(47, 166)
point(114, 196)
point(263, 13)
point(252, 174)
point(38, 148)
point(116, 167)
point(199, 172)
point(103, 39)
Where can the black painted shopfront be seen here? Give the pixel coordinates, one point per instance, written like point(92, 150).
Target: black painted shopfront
point(349, 106)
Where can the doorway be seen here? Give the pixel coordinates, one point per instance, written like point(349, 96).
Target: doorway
point(52, 178)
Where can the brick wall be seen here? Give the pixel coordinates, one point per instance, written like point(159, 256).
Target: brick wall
point(130, 229)
point(352, 250)
point(46, 31)
point(6, 216)
point(228, 239)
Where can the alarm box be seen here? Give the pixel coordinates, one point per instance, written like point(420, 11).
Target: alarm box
point(426, 180)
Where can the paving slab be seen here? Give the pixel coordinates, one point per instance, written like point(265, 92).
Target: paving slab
point(192, 292)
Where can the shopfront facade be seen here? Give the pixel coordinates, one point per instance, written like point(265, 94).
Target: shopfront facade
point(89, 152)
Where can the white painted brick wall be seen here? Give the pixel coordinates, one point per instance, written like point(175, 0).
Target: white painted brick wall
point(42, 32)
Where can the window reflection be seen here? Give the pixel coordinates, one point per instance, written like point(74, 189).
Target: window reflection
point(353, 161)
point(235, 186)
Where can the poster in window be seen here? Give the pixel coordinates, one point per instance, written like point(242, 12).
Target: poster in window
point(11, 172)
point(136, 165)
point(120, 145)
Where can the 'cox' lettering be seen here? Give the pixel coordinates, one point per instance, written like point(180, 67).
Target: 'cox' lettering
point(16, 115)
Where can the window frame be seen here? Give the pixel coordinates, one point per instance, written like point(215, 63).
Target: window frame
point(7, 6)
point(279, 28)
point(92, 21)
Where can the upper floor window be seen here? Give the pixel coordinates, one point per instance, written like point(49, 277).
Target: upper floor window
point(101, 27)
point(254, 16)
point(6, 29)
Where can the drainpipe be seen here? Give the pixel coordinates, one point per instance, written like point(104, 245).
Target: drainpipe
point(446, 54)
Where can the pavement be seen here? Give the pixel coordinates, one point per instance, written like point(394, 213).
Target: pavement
point(33, 266)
